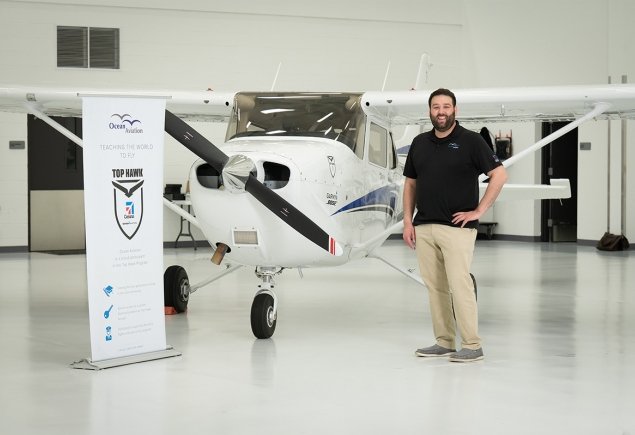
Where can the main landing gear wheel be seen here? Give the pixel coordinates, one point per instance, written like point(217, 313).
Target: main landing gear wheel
point(176, 288)
point(263, 316)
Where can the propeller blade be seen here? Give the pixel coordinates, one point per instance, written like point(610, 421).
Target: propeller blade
point(191, 139)
point(195, 142)
point(292, 216)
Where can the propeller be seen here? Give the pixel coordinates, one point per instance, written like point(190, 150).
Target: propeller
point(241, 177)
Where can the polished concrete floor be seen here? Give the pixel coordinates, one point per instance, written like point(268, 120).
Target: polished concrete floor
point(557, 320)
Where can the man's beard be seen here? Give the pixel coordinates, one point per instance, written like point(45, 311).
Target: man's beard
point(449, 122)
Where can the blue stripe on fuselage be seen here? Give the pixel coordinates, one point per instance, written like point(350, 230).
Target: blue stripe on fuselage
point(382, 199)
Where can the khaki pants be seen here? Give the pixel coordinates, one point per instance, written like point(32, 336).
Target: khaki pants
point(445, 256)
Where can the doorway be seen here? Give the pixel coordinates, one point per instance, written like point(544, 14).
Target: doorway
point(56, 186)
point(559, 218)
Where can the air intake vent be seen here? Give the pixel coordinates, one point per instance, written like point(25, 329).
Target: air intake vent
point(245, 237)
point(104, 48)
point(208, 176)
point(72, 47)
point(87, 47)
point(276, 175)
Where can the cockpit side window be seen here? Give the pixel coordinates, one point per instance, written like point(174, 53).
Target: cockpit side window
point(378, 145)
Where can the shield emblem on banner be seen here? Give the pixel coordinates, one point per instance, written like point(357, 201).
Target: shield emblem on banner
point(128, 199)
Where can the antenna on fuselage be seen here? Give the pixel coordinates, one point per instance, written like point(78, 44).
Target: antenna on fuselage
point(412, 130)
point(424, 65)
point(383, 87)
point(275, 79)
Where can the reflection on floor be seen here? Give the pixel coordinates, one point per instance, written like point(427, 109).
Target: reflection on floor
point(558, 324)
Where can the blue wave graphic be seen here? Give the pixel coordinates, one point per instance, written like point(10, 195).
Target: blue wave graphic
point(404, 149)
point(383, 200)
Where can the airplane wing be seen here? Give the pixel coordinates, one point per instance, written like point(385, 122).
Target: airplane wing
point(507, 104)
point(399, 107)
point(575, 103)
point(189, 105)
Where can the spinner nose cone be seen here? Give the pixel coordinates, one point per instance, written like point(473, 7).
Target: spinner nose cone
point(236, 172)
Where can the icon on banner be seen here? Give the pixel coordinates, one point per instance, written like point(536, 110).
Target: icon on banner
point(130, 209)
point(107, 312)
point(108, 290)
point(108, 333)
point(128, 201)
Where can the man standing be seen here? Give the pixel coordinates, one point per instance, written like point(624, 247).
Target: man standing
point(442, 171)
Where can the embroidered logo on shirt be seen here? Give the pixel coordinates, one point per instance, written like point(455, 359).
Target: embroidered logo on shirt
point(453, 145)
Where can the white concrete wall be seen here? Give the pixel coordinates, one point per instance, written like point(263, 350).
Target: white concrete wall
point(328, 45)
point(13, 182)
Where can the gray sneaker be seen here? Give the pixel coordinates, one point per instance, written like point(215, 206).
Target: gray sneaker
point(435, 350)
point(467, 355)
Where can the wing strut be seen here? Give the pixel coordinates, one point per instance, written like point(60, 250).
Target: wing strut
point(55, 125)
point(410, 273)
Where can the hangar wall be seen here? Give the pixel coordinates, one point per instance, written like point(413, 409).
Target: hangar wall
point(329, 45)
point(558, 43)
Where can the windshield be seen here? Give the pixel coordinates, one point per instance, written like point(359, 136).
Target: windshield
point(335, 116)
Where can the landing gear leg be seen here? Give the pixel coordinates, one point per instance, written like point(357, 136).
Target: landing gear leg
point(264, 309)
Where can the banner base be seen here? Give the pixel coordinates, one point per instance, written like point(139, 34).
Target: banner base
point(87, 364)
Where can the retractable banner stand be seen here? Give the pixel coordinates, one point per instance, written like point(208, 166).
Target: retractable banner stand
point(123, 182)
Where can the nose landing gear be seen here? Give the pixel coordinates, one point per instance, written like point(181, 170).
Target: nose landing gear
point(264, 309)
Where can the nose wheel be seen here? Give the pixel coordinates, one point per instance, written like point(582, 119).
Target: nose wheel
point(263, 316)
point(264, 309)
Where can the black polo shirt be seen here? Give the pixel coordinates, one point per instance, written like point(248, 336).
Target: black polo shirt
point(447, 172)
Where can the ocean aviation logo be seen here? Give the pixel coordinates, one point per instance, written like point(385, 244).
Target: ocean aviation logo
point(125, 123)
point(128, 200)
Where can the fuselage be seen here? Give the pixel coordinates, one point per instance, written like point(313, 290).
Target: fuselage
point(321, 154)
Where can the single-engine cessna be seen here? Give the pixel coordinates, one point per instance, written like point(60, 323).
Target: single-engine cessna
point(314, 179)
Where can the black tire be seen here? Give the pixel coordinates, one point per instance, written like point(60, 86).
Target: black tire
point(261, 313)
point(176, 288)
point(475, 288)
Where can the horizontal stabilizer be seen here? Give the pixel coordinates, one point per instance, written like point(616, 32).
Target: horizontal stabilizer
point(558, 189)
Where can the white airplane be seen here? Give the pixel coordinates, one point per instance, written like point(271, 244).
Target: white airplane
point(313, 179)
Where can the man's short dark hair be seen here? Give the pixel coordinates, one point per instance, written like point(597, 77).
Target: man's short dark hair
point(442, 91)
